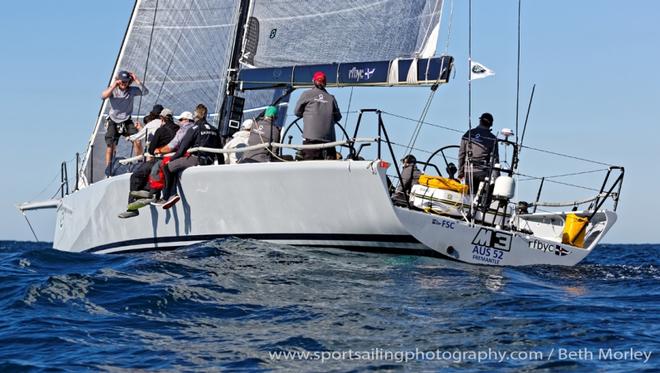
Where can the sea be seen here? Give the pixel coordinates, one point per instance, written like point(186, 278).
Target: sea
point(244, 305)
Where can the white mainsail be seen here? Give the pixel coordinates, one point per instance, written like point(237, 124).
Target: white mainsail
point(181, 50)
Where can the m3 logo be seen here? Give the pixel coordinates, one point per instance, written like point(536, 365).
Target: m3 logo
point(496, 240)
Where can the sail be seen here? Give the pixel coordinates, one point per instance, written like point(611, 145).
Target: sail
point(294, 32)
point(181, 50)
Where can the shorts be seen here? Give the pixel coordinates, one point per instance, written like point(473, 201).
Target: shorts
point(115, 130)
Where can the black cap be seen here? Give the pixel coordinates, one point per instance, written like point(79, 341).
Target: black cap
point(409, 158)
point(124, 76)
point(488, 117)
point(157, 109)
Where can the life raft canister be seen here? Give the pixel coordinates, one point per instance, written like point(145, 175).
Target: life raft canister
point(159, 184)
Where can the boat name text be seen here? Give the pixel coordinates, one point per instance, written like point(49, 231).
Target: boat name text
point(493, 239)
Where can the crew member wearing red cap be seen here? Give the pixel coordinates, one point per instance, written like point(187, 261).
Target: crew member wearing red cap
point(319, 111)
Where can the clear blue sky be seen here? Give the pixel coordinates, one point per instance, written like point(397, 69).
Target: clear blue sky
point(594, 63)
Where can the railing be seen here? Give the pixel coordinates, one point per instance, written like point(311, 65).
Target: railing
point(343, 130)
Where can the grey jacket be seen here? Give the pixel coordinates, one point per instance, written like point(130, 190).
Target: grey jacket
point(484, 144)
point(264, 131)
point(319, 111)
point(409, 176)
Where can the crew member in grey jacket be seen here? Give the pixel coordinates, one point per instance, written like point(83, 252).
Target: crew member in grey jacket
point(319, 111)
point(264, 131)
point(120, 95)
point(483, 145)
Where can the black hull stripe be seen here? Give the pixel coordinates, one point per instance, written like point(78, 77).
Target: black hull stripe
point(362, 249)
point(157, 241)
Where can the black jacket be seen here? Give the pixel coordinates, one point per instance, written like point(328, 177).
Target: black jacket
point(164, 134)
point(483, 144)
point(202, 134)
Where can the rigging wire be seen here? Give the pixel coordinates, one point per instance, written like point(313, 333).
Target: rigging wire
point(522, 146)
point(569, 174)
point(451, 19)
point(518, 74)
point(561, 183)
point(31, 229)
point(146, 63)
point(422, 117)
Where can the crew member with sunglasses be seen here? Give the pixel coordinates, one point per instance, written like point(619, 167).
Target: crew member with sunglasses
point(120, 95)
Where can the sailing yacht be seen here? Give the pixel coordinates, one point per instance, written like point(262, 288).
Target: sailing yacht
point(239, 56)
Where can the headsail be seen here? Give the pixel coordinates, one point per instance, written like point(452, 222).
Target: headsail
point(180, 49)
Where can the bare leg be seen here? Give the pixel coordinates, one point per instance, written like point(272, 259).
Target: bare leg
point(108, 154)
point(137, 147)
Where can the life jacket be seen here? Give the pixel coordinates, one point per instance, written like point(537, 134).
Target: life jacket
point(159, 183)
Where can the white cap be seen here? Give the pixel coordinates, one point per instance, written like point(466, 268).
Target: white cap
point(185, 115)
point(247, 124)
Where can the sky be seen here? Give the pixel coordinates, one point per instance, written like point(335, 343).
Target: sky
point(594, 63)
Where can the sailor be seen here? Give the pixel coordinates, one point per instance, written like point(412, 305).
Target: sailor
point(319, 111)
point(239, 140)
point(202, 134)
point(139, 177)
point(264, 131)
point(482, 144)
point(151, 121)
point(409, 176)
point(120, 95)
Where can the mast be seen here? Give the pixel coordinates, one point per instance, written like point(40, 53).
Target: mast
point(231, 104)
point(88, 154)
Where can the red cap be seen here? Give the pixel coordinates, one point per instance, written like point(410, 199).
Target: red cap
point(319, 76)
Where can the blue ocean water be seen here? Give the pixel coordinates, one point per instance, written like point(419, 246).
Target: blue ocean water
point(242, 305)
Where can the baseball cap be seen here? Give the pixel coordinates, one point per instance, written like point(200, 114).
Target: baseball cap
point(319, 76)
point(165, 112)
point(185, 115)
point(124, 76)
point(247, 124)
point(488, 117)
point(409, 158)
point(271, 111)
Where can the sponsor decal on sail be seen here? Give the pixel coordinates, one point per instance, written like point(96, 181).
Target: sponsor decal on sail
point(360, 74)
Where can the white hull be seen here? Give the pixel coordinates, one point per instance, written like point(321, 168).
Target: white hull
point(317, 203)
point(478, 244)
